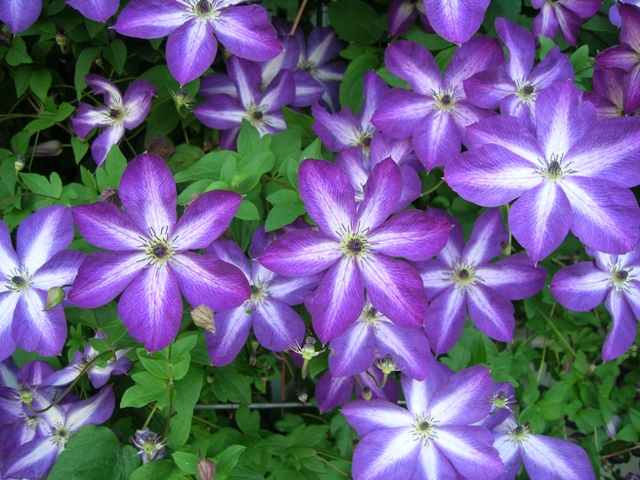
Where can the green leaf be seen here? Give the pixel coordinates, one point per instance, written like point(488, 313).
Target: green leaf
point(231, 386)
point(281, 215)
point(158, 470)
point(226, 460)
point(187, 462)
point(351, 86)
point(109, 173)
point(17, 54)
point(80, 148)
point(162, 119)
point(546, 44)
point(116, 54)
point(430, 41)
point(295, 119)
point(247, 211)
point(40, 185)
point(40, 82)
point(23, 75)
point(284, 196)
point(83, 67)
point(247, 420)
point(148, 388)
point(208, 167)
point(355, 21)
point(249, 139)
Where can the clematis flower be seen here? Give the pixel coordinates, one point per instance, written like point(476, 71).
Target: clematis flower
point(614, 14)
point(354, 351)
point(149, 254)
point(357, 246)
point(191, 25)
point(626, 55)
point(402, 14)
point(462, 280)
point(34, 459)
point(613, 279)
point(344, 129)
point(437, 111)
point(573, 172)
point(119, 114)
point(564, 15)
point(611, 93)
point(502, 401)
point(224, 112)
point(515, 86)
point(96, 10)
point(275, 324)
point(545, 458)
point(150, 445)
point(19, 15)
point(40, 262)
point(434, 439)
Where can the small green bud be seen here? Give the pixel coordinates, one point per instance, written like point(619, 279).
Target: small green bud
point(19, 163)
point(61, 39)
point(367, 393)
point(302, 394)
point(55, 296)
point(210, 378)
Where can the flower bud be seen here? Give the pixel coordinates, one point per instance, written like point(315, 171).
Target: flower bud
point(61, 39)
point(611, 428)
point(55, 296)
point(203, 317)
point(51, 148)
point(110, 195)
point(302, 394)
point(367, 393)
point(19, 163)
point(160, 145)
point(210, 378)
point(206, 469)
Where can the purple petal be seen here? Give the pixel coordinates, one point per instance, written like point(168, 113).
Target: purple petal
point(486, 238)
point(401, 16)
point(618, 56)
point(338, 130)
point(546, 23)
point(623, 326)
point(552, 458)
point(59, 271)
point(191, 49)
point(436, 277)
point(409, 348)
point(630, 26)
point(456, 21)
point(386, 454)
point(510, 453)
point(420, 393)
point(106, 226)
point(432, 463)
point(109, 137)
point(374, 88)
point(151, 307)
point(486, 89)
point(555, 67)
point(246, 32)
point(569, 23)
point(291, 290)
point(414, 64)
point(232, 331)
point(452, 251)
point(516, 277)
point(351, 161)
point(632, 83)
point(20, 14)
point(445, 319)
point(437, 139)
point(221, 112)
point(43, 234)
point(323, 45)
point(92, 411)
point(151, 19)
point(229, 251)
point(281, 91)
point(338, 301)
point(411, 186)
point(216, 83)
point(96, 10)
point(67, 375)
point(381, 195)
point(366, 417)
point(137, 102)
point(464, 398)
point(605, 216)
point(507, 132)
point(34, 459)
point(277, 326)
point(521, 46)
point(247, 77)
point(491, 312)
point(8, 258)
point(580, 287)
point(401, 112)
point(353, 351)
point(33, 329)
point(470, 450)
point(540, 219)
point(8, 302)
point(206, 280)
point(308, 90)
point(102, 86)
point(333, 391)
point(478, 54)
point(87, 118)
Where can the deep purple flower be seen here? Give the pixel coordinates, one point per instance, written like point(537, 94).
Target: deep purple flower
point(462, 280)
point(40, 262)
point(34, 459)
point(402, 14)
point(356, 245)
point(563, 15)
point(456, 20)
point(614, 14)
point(502, 402)
point(275, 324)
point(262, 109)
point(611, 94)
point(150, 260)
point(194, 25)
point(612, 279)
point(117, 115)
point(626, 56)
point(545, 458)
point(150, 445)
point(437, 111)
point(96, 10)
point(573, 172)
point(514, 86)
point(19, 15)
point(434, 439)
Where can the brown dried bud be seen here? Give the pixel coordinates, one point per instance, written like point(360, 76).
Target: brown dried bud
point(202, 316)
point(160, 145)
point(206, 469)
point(110, 195)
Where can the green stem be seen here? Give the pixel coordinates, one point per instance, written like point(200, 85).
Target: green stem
point(560, 336)
point(432, 189)
point(153, 410)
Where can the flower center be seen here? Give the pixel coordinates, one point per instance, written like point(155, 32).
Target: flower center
point(307, 66)
point(18, 282)
point(445, 100)
point(203, 7)
point(554, 170)
point(61, 435)
point(464, 275)
point(158, 247)
point(370, 315)
point(520, 433)
point(258, 292)
point(354, 245)
point(425, 429)
point(116, 113)
point(255, 116)
point(619, 277)
point(528, 89)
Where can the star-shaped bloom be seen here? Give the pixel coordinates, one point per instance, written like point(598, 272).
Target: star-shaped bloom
point(613, 279)
point(41, 261)
point(96, 10)
point(119, 114)
point(564, 15)
point(514, 86)
point(194, 25)
point(462, 280)
point(611, 95)
point(149, 254)
point(356, 245)
point(437, 111)
point(402, 14)
point(572, 172)
point(19, 15)
point(434, 439)
point(150, 445)
point(275, 324)
point(261, 108)
point(545, 458)
point(34, 459)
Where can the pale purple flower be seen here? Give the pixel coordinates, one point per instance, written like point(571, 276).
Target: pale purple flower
point(149, 254)
point(514, 86)
point(41, 261)
point(456, 20)
point(119, 114)
point(437, 111)
point(435, 438)
point(19, 15)
point(275, 324)
point(502, 402)
point(612, 279)
point(402, 14)
point(96, 10)
point(193, 27)
point(150, 445)
point(614, 14)
point(462, 280)
point(572, 172)
point(356, 245)
point(564, 15)
point(35, 458)
point(611, 95)
point(544, 458)
point(225, 112)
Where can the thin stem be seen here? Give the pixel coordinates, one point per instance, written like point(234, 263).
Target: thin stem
point(284, 359)
point(153, 410)
point(170, 384)
point(432, 189)
point(33, 151)
point(298, 15)
point(206, 422)
point(331, 465)
point(508, 249)
point(560, 336)
point(615, 454)
point(544, 351)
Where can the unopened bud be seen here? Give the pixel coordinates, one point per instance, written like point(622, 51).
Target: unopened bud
point(98, 61)
point(206, 469)
point(611, 428)
point(202, 316)
point(50, 148)
point(367, 393)
point(55, 296)
point(160, 145)
point(506, 248)
point(302, 394)
point(210, 378)
point(61, 39)
point(110, 195)
point(19, 163)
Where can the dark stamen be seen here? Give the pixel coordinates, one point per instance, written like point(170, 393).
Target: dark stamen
point(257, 115)
point(424, 425)
point(203, 6)
point(254, 289)
point(355, 245)
point(463, 274)
point(18, 281)
point(554, 168)
point(114, 113)
point(446, 99)
point(528, 89)
point(622, 275)
point(159, 250)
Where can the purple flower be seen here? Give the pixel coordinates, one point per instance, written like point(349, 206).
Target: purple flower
point(40, 262)
point(614, 14)
point(150, 445)
point(356, 245)
point(275, 324)
point(437, 111)
point(372, 335)
point(514, 87)
point(402, 14)
point(262, 109)
point(626, 55)
point(571, 173)
point(502, 401)
point(35, 458)
point(456, 20)
point(20, 14)
point(150, 260)
point(344, 129)
point(96, 10)
point(563, 15)
point(462, 279)
point(612, 279)
point(611, 94)
point(117, 115)
point(545, 458)
point(434, 439)
point(191, 24)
